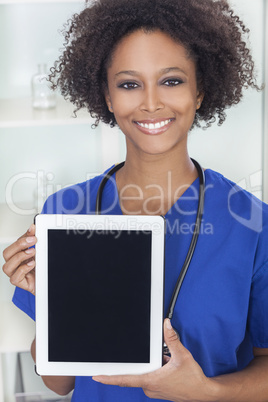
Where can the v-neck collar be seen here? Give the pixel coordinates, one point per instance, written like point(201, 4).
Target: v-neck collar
point(187, 200)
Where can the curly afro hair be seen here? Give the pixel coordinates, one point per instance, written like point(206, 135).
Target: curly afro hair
point(210, 31)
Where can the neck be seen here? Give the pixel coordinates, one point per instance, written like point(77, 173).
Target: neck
point(152, 184)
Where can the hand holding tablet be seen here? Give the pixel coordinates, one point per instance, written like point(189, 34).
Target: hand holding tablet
point(99, 294)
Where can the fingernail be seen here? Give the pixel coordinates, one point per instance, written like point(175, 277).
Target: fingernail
point(29, 251)
point(95, 379)
point(168, 324)
point(30, 264)
point(30, 239)
point(30, 228)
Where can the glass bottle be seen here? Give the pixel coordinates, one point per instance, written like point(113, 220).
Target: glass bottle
point(42, 95)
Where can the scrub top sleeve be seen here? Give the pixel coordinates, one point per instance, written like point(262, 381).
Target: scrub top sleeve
point(25, 301)
point(258, 308)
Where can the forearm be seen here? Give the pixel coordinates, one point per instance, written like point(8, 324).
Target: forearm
point(59, 384)
point(250, 384)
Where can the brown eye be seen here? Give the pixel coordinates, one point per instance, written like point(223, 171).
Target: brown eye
point(172, 82)
point(128, 85)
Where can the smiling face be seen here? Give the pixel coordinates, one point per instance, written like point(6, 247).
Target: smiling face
point(152, 92)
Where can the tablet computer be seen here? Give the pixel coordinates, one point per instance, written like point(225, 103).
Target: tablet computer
point(99, 294)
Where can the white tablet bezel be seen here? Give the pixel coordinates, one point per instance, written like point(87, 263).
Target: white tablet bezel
point(155, 224)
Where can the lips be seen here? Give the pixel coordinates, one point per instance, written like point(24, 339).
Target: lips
point(154, 126)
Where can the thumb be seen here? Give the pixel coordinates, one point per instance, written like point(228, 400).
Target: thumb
point(30, 232)
point(172, 339)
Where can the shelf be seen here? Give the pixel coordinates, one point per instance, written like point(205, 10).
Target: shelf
point(19, 113)
point(13, 225)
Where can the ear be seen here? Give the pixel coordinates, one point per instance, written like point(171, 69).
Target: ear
point(199, 99)
point(108, 100)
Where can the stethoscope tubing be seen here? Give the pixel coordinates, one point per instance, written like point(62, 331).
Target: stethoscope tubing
point(106, 178)
point(190, 253)
point(198, 222)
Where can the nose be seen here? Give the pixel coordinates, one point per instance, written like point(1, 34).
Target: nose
point(151, 101)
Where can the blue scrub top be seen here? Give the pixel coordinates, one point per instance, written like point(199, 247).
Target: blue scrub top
point(222, 309)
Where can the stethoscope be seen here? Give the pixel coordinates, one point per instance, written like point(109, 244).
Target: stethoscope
point(196, 231)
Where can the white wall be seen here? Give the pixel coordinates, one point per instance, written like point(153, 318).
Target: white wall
point(265, 140)
point(62, 155)
point(235, 148)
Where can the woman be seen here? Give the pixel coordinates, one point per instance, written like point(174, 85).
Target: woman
point(156, 69)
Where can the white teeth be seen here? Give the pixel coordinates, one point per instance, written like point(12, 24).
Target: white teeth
point(152, 126)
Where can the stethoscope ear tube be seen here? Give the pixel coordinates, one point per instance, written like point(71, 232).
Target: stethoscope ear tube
point(101, 187)
point(199, 216)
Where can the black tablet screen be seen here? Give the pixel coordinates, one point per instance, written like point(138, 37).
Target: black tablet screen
point(99, 291)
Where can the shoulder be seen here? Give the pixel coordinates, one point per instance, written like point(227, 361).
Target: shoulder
point(76, 199)
point(229, 198)
point(240, 216)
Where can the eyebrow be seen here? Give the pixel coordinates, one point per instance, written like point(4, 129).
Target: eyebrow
point(163, 71)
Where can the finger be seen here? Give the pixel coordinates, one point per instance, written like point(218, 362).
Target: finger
point(136, 381)
point(24, 277)
point(171, 339)
point(18, 259)
point(23, 243)
point(30, 231)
